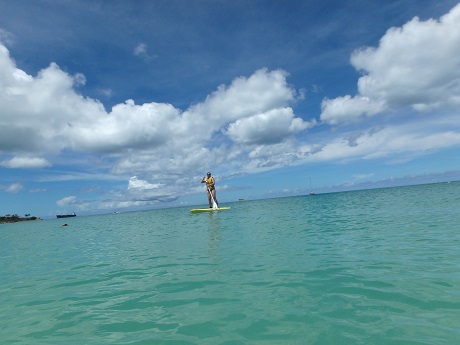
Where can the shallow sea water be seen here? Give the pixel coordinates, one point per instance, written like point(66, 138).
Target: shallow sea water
point(368, 267)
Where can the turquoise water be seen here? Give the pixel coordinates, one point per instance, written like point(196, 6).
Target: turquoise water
point(367, 267)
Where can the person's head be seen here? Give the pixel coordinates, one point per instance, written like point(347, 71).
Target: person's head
point(209, 174)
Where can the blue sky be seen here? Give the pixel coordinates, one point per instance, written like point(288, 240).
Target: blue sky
point(124, 105)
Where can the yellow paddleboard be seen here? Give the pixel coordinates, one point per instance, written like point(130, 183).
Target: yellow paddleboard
point(198, 210)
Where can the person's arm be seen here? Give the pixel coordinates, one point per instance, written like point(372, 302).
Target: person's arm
point(203, 180)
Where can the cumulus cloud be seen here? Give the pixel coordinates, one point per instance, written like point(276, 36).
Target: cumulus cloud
point(262, 91)
point(128, 126)
point(40, 114)
point(168, 140)
point(270, 127)
point(349, 109)
point(415, 66)
point(45, 115)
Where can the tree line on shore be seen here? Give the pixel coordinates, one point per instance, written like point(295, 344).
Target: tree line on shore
point(8, 218)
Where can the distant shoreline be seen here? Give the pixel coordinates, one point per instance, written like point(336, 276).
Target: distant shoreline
point(15, 219)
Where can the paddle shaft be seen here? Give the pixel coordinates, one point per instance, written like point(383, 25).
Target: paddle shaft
point(214, 203)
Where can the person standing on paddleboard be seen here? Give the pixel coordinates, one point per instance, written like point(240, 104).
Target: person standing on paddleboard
point(211, 188)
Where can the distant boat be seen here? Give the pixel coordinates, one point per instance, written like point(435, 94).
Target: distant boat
point(66, 215)
point(311, 192)
point(240, 199)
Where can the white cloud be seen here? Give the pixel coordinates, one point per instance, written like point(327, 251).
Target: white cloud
point(38, 190)
point(45, 115)
point(135, 183)
point(143, 191)
point(25, 163)
point(363, 176)
point(392, 141)
point(79, 79)
point(140, 49)
point(40, 114)
point(68, 200)
point(184, 140)
point(128, 126)
point(106, 92)
point(13, 188)
point(349, 109)
point(263, 91)
point(414, 66)
point(6, 36)
point(270, 127)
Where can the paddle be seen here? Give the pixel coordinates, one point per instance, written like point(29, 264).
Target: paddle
point(214, 204)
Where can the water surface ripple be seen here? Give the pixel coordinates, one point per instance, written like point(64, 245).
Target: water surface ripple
point(367, 267)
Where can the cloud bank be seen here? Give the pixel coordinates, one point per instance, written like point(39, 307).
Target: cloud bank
point(44, 115)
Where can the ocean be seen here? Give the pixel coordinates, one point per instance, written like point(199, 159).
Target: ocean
point(375, 266)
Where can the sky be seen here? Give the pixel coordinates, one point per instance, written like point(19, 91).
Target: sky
point(115, 106)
